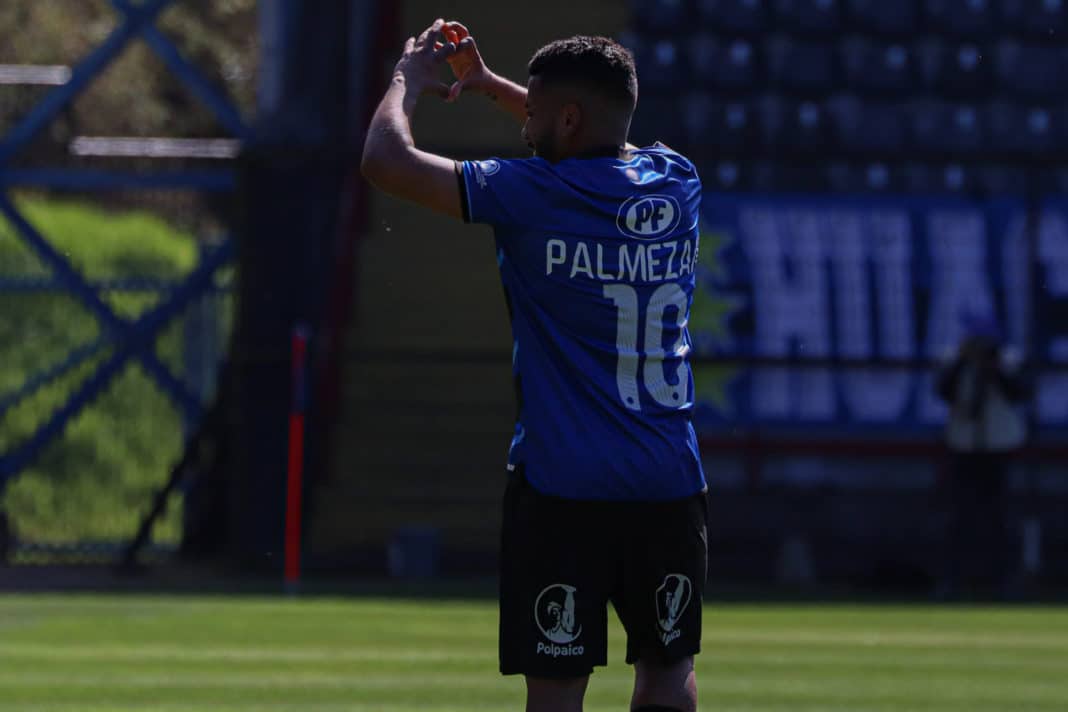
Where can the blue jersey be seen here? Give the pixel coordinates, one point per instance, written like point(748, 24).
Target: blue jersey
point(597, 257)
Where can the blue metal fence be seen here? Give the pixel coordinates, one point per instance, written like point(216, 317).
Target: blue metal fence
point(124, 340)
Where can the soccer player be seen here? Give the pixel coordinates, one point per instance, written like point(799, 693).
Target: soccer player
point(597, 244)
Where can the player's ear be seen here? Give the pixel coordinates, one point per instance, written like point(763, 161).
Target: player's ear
point(570, 119)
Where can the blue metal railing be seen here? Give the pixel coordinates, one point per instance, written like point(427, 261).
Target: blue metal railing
point(137, 342)
point(122, 340)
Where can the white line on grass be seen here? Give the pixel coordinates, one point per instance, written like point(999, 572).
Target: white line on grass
point(38, 651)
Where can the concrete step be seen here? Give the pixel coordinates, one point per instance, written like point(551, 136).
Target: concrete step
point(461, 487)
point(358, 518)
point(408, 455)
point(391, 385)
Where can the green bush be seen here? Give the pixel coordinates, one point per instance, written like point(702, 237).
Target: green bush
point(96, 480)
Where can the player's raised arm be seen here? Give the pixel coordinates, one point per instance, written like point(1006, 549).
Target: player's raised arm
point(390, 159)
point(472, 75)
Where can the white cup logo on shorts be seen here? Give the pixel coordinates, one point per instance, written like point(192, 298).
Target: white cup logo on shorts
point(671, 600)
point(554, 612)
point(648, 217)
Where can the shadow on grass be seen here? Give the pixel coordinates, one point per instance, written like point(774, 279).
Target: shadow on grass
point(206, 580)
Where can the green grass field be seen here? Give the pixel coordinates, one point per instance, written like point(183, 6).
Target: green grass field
point(111, 653)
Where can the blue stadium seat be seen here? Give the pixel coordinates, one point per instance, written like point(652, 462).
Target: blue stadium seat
point(961, 18)
point(957, 178)
point(724, 175)
point(881, 177)
point(1029, 131)
point(735, 175)
point(774, 120)
point(1046, 19)
point(793, 175)
point(730, 127)
point(966, 129)
point(877, 68)
point(1053, 182)
point(919, 178)
point(733, 16)
point(661, 15)
point(809, 16)
point(762, 176)
point(661, 64)
point(997, 179)
point(868, 128)
point(941, 129)
point(1031, 72)
point(800, 66)
point(960, 70)
point(885, 17)
point(873, 177)
point(940, 179)
point(730, 64)
point(649, 124)
point(795, 127)
point(697, 110)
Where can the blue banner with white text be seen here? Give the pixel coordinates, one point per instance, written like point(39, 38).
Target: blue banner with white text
point(829, 312)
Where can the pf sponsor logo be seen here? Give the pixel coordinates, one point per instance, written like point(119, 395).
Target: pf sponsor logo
point(554, 614)
point(672, 597)
point(648, 217)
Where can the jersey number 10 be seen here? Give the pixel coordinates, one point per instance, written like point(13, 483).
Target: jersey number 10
point(626, 300)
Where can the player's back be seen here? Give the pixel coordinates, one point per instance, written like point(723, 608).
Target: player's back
point(597, 257)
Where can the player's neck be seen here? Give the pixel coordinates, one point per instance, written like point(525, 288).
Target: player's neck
point(601, 151)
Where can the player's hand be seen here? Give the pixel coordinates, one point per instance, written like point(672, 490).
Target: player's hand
point(422, 57)
point(467, 64)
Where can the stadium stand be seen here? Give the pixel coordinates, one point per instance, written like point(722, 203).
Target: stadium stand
point(865, 97)
point(943, 97)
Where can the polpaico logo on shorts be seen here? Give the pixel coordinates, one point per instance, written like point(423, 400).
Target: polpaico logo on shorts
point(672, 597)
point(554, 614)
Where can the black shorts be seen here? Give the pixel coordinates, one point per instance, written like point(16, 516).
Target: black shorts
point(563, 560)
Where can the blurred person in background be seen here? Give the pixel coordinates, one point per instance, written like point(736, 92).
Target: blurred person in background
point(984, 387)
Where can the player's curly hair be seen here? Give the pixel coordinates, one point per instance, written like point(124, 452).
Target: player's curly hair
point(598, 63)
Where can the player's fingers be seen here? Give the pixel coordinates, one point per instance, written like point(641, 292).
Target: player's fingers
point(455, 90)
point(459, 29)
point(468, 46)
point(445, 51)
point(409, 46)
point(432, 35)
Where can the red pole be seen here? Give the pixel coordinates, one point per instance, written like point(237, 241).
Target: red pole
point(295, 469)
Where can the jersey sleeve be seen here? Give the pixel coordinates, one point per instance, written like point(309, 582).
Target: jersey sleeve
point(504, 192)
